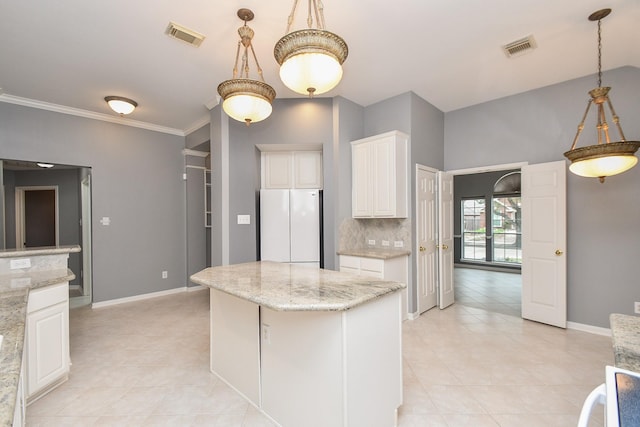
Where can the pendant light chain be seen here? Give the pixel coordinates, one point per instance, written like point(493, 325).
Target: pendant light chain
point(315, 7)
point(599, 53)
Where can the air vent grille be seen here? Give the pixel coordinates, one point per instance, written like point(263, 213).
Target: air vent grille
point(186, 35)
point(520, 47)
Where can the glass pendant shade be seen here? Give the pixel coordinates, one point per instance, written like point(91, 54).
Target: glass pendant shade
point(603, 160)
point(121, 105)
point(310, 59)
point(314, 73)
point(251, 105)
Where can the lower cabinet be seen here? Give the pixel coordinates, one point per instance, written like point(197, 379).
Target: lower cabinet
point(19, 415)
point(395, 269)
point(47, 341)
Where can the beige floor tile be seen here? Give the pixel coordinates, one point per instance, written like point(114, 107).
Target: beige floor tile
point(474, 364)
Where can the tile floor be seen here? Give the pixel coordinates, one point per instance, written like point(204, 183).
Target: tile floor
point(146, 364)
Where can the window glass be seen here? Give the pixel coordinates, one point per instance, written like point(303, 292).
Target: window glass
point(506, 222)
point(474, 240)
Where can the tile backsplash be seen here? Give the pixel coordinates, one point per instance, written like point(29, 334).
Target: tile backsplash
point(357, 233)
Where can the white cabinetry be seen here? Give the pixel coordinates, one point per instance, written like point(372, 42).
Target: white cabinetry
point(47, 343)
point(379, 176)
point(19, 416)
point(395, 269)
point(292, 169)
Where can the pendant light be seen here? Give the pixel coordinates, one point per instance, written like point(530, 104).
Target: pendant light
point(606, 158)
point(246, 100)
point(310, 59)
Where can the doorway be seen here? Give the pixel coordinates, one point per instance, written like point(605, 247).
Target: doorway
point(36, 216)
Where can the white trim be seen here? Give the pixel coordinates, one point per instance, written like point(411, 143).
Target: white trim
point(194, 153)
point(264, 148)
point(198, 124)
point(196, 167)
point(196, 288)
point(125, 300)
point(413, 316)
point(588, 328)
point(41, 105)
point(492, 168)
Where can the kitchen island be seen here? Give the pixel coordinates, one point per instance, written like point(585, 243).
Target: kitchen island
point(307, 346)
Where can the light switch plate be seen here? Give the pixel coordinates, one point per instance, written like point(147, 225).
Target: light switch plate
point(244, 219)
point(371, 242)
point(385, 243)
point(398, 244)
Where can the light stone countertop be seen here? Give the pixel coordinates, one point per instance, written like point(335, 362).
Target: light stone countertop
point(285, 287)
point(625, 334)
point(45, 250)
point(14, 294)
point(375, 253)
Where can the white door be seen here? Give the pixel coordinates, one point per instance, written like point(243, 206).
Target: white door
point(544, 234)
point(274, 225)
point(305, 225)
point(427, 265)
point(445, 239)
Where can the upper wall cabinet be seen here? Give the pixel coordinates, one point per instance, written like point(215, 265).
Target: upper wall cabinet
point(379, 186)
point(292, 169)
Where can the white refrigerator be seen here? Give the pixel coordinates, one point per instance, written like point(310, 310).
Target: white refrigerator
point(290, 226)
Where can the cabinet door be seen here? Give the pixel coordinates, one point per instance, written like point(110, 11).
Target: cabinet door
point(361, 181)
point(47, 347)
point(307, 169)
point(384, 177)
point(278, 170)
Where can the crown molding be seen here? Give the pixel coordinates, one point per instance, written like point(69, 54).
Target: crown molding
point(41, 105)
point(197, 125)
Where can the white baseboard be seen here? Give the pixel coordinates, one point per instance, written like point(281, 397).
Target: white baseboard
point(196, 288)
point(588, 328)
point(138, 297)
point(413, 316)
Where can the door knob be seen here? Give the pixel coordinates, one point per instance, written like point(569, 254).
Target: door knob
point(445, 247)
point(559, 252)
point(422, 249)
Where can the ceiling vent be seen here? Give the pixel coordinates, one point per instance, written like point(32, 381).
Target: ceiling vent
point(520, 47)
point(186, 35)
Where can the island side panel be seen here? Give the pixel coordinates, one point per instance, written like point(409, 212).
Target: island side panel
point(302, 367)
point(373, 361)
point(235, 343)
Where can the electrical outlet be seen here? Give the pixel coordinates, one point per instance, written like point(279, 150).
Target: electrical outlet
point(385, 243)
point(636, 307)
point(398, 244)
point(371, 242)
point(20, 263)
point(165, 274)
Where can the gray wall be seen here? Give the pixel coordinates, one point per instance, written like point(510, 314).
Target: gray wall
point(603, 228)
point(424, 123)
point(69, 207)
point(293, 121)
point(136, 181)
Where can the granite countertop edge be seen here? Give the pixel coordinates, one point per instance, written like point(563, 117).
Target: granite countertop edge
point(375, 253)
point(290, 288)
point(13, 316)
point(625, 334)
point(45, 250)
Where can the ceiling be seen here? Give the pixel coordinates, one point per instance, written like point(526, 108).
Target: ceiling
point(75, 52)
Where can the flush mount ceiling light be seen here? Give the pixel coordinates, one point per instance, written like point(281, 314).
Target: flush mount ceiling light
point(45, 165)
point(606, 158)
point(310, 59)
point(121, 105)
point(246, 100)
